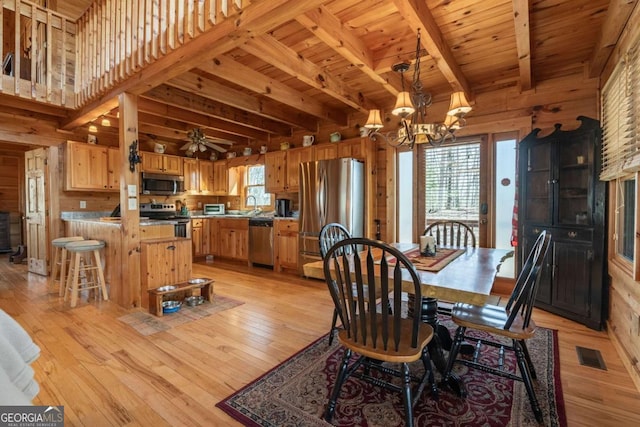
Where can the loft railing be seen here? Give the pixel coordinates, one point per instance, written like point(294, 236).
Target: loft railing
point(37, 47)
point(117, 38)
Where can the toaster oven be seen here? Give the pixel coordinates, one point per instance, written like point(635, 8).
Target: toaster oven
point(213, 209)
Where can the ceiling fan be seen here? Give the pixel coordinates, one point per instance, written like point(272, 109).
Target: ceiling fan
point(198, 141)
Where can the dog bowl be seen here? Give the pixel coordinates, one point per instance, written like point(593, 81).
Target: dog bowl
point(197, 281)
point(166, 288)
point(171, 306)
point(194, 300)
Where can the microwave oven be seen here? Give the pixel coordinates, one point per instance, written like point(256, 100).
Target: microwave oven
point(213, 209)
point(156, 183)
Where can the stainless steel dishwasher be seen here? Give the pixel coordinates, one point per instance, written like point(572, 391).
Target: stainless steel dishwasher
point(261, 241)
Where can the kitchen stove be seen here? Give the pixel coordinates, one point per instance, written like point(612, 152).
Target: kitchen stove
point(165, 212)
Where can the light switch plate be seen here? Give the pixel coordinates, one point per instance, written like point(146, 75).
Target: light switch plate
point(132, 190)
point(133, 204)
point(83, 204)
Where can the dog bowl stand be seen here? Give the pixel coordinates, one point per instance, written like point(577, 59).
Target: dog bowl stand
point(156, 296)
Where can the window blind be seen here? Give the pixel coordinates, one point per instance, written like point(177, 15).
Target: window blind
point(620, 112)
point(452, 183)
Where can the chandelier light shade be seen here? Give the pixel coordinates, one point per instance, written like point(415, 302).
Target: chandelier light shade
point(404, 106)
point(93, 128)
point(459, 105)
point(411, 107)
point(105, 122)
point(374, 121)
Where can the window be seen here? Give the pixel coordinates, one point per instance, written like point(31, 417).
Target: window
point(255, 187)
point(625, 218)
point(452, 183)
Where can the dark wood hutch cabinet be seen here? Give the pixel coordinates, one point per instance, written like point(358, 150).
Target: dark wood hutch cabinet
point(559, 191)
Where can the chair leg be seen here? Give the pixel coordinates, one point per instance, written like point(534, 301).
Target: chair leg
point(455, 348)
point(342, 374)
point(406, 395)
point(526, 378)
point(333, 326)
point(103, 286)
point(525, 350)
point(428, 369)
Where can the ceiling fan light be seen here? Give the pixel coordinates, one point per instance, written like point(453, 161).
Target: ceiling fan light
point(374, 121)
point(202, 147)
point(403, 107)
point(459, 105)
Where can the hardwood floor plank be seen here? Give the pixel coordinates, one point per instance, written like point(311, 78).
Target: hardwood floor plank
point(106, 373)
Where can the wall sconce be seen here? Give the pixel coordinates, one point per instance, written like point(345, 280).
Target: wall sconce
point(134, 157)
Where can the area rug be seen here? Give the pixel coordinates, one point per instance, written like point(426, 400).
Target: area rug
point(148, 324)
point(296, 392)
point(437, 262)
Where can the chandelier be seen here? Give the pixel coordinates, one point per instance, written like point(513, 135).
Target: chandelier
point(411, 107)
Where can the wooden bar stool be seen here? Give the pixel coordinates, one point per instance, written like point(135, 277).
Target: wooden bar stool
point(60, 260)
point(83, 264)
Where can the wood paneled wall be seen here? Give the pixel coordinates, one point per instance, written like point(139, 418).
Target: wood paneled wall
point(624, 292)
point(12, 191)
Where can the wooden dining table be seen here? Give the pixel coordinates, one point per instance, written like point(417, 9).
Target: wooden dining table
point(468, 278)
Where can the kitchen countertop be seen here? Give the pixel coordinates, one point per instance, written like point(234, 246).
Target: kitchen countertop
point(115, 222)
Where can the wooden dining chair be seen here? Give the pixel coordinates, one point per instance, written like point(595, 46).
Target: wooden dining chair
point(331, 234)
point(375, 335)
point(451, 233)
point(512, 321)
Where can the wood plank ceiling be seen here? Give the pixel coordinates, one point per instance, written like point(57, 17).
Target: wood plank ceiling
point(334, 61)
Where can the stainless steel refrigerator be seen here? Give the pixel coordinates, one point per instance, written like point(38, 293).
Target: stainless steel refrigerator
point(330, 191)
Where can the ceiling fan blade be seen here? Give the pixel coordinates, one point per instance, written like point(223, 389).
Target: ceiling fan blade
point(215, 146)
point(219, 141)
point(186, 146)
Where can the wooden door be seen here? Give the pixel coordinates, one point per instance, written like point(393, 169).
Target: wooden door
point(36, 210)
point(87, 166)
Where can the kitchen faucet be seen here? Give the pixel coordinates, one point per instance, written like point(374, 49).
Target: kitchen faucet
point(255, 202)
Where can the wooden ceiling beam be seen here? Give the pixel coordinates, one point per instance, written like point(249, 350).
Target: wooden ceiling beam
point(254, 20)
point(210, 89)
point(227, 117)
point(281, 56)
point(330, 30)
point(228, 69)
point(186, 112)
point(523, 41)
point(617, 16)
point(418, 16)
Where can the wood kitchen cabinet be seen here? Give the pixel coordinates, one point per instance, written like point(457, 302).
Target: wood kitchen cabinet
point(285, 244)
point(163, 262)
point(87, 167)
point(191, 176)
point(325, 151)
point(161, 163)
point(295, 156)
point(113, 169)
point(351, 148)
point(219, 186)
point(275, 169)
point(232, 236)
point(200, 236)
point(206, 176)
point(560, 192)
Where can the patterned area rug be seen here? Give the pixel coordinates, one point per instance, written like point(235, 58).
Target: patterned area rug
point(148, 324)
point(296, 392)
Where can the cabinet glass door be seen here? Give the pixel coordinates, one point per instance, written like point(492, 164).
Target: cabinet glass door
point(574, 163)
point(538, 184)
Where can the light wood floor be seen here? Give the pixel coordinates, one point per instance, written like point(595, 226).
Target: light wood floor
point(106, 374)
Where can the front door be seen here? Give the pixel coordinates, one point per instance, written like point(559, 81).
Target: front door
point(36, 215)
